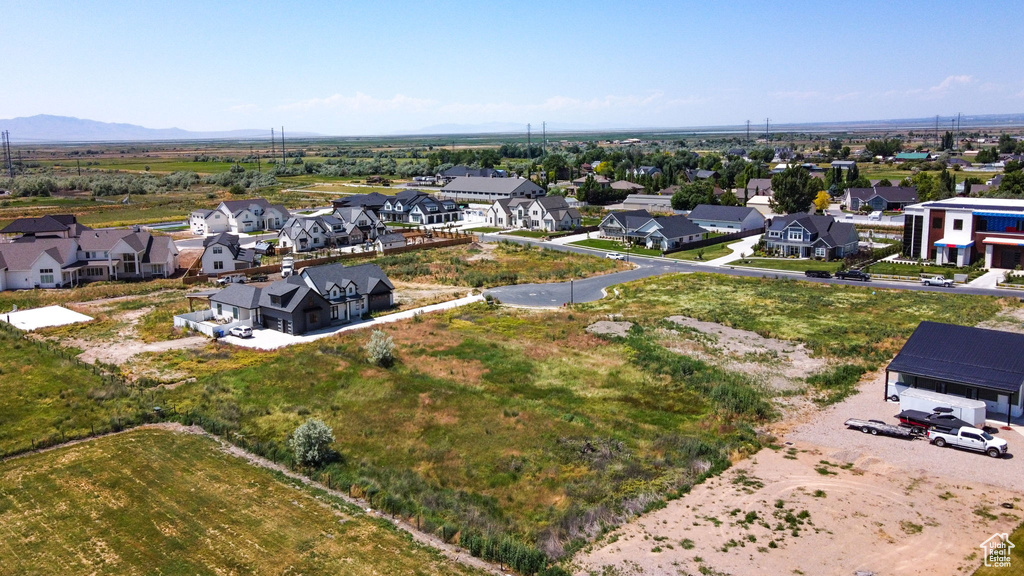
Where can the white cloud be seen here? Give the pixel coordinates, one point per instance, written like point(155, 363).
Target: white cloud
point(950, 82)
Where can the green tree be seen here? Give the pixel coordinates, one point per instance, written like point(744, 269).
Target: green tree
point(884, 182)
point(729, 199)
point(926, 186)
point(690, 195)
point(947, 141)
point(852, 174)
point(311, 442)
point(794, 190)
point(1007, 144)
point(1012, 185)
point(885, 147)
point(1012, 166)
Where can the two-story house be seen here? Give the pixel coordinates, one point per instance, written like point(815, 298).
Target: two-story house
point(550, 213)
point(364, 219)
point(618, 225)
point(305, 233)
point(811, 236)
point(223, 253)
point(237, 216)
point(415, 207)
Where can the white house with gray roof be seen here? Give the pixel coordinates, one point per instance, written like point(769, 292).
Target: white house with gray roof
point(223, 253)
point(550, 213)
point(238, 216)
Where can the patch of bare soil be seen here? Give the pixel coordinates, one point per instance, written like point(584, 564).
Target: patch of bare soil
point(778, 363)
point(1008, 320)
point(414, 295)
point(801, 510)
point(486, 251)
point(610, 328)
point(118, 352)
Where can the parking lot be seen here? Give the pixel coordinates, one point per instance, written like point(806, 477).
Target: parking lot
point(826, 430)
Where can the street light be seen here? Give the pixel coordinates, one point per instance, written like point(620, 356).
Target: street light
point(570, 292)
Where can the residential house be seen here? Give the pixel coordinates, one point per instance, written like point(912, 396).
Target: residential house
point(366, 220)
point(373, 201)
point(963, 361)
point(237, 216)
point(758, 187)
point(470, 189)
point(550, 213)
point(305, 233)
point(953, 161)
point(618, 225)
point(627, 187)
point(292, 307)
point(811, 236)
point(963, 230)
point(223, 253)
point(351, 291)
point(651, 171)
point(54, 262)
point(762, 204)
point(602, 182)
point(668, 232)
point(727, 219)
point(741, 152)
point(388, 241)
point(237, 303)
point(467, 172)
point(696, 175)
point(879, 198)
point(413, 206)
point(844, 164)
point(50, 226)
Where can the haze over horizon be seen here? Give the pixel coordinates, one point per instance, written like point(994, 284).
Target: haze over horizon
point(360, 68)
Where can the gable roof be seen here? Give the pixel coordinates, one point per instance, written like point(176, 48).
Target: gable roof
point(292, 294)
point(963, 354)
point(21, 254)
point(626, 185)
point(626, 217)
point(912, 156)
point(221, 238)
point(391, 237)
point(467, 172)
point(372, 201)
point(720, 213)
point(829, 230)
point(44, 224)
point(760, 185)
point(241, 295)
point(677, 227)
point(491, 185)
point(368, 278)
point(887, 193)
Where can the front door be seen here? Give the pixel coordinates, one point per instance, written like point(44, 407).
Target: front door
point(952, 252)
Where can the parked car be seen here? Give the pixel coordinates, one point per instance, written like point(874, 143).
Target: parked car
point(241, 331)
point(258, 278)
point(817, 274)
point(231, 279)
point(935, 280)
point(853, 275)
point(969, 438)
point(614, 256)
point(875, 216)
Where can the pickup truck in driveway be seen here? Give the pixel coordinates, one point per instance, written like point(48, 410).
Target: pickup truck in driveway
point(969, 438)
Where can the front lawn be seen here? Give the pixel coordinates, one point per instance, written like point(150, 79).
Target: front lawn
point(703, 254)
point(530, 233)
point(614, 246)
point(789, 264)
point(896, 269)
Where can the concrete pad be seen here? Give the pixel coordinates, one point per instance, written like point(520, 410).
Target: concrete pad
point(43, 317)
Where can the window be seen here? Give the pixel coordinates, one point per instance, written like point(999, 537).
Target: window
point(94, 271)
point(218, 265)
point(958, 224)
point(220, 309)
point(334, 312)
point(819, 252)
point(937, 222)
point(275, 299)
point(46, 275)
point(218, 250)
point(234, 312)
point(796, 235)
point(314, 317)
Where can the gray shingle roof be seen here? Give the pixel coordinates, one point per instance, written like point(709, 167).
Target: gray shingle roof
point(21, 254)
point(625, 217)
point(241, 295)
point(677, 227)
point(42, 224)
point(491, 185)
point(368, 278)
point(720, 213)
point(962, 354)
point(887, 193)
point(292, 295)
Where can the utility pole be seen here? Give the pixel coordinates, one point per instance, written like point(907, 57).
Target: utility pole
point(273, 144)
point(284, 157)
point(529, 154)
point(5, 140)
point(544, 144)
point(936, 128)
point(956, 144)
point(748, 130)
point(79, 163)
point(767, 133)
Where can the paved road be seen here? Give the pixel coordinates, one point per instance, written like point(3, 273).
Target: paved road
point(591, 289)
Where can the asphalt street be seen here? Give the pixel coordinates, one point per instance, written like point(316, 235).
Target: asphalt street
point(594, 288)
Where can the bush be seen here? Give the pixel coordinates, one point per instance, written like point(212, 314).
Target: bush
point(311, 442)
point(380, 349)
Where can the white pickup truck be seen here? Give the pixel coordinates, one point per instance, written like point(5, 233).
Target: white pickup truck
point(969, 438)
point(935, 280)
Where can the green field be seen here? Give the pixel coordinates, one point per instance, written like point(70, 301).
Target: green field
point(157, 502)
point(614, 246)
point(788, 264)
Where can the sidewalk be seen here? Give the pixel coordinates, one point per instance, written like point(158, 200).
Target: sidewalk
point(266, 339)
point(746, 245)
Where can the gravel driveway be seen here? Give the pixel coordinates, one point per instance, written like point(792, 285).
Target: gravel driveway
point(877, 453)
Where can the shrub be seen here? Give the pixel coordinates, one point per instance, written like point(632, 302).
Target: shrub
point(311, 442)
point(380, 349)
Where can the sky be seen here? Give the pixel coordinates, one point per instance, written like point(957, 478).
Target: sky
point(379, 67)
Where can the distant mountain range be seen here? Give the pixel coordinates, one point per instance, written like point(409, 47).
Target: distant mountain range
point(46, 128)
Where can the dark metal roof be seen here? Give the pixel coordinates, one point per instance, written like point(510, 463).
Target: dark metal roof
point(720, 213)
point(980, 357)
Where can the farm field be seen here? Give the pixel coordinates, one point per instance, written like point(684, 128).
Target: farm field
point(183, 506)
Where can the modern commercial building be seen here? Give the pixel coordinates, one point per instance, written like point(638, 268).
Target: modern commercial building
point(963, 230)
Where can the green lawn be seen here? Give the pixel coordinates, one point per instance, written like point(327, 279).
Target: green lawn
point(895, 269)
point(703, 254)
point(529, 233)
point(486, 230)
point(157, 502)
point(613, 246)
point(1016, 558)
point(788, 264)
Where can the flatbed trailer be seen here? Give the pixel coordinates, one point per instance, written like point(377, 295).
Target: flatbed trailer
point(876, 427)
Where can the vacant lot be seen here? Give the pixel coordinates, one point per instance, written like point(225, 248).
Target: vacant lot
point(182, 506)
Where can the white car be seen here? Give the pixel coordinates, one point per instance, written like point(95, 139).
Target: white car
point(936, 280)
point(614, 256)
point(241, 331)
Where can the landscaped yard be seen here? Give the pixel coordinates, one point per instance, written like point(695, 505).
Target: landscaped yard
point(788, 264)
point(614, 246)
point(529, 233)
point(703, 254)
point(157, 502)
point(895, 269)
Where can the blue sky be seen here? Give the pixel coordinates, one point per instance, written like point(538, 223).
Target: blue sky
point(381, 67)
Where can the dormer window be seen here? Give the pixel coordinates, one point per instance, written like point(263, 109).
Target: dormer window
point(275, 299)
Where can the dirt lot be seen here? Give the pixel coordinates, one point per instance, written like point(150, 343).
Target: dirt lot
point(872, 503)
